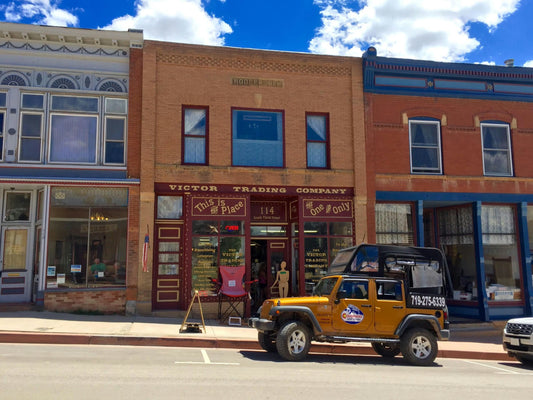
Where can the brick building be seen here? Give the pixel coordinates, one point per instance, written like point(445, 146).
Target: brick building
point(449, 165)
point(69, 174)
point(249, 158)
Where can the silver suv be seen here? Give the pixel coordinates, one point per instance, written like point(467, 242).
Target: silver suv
point(518, 339)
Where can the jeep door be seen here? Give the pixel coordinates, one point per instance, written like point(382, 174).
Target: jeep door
point(389, 303)
point(352, 313)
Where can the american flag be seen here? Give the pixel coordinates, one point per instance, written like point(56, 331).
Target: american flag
point(145, 252)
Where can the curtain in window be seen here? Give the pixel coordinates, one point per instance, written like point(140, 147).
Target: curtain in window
point(316, 127)
point(496, 151)
point(394, 223)
point(73, 138)
point(194, 122)
point(456, 226)
point(497, 225)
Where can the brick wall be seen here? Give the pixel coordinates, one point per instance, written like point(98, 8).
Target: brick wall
point(101, 301)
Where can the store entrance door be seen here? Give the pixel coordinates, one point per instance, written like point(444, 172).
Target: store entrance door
point(267, 256)
point(15, 266)
point(168, 292)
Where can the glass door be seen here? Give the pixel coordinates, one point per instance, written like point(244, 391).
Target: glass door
point(15, 266)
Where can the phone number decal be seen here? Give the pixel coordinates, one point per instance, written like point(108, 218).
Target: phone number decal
point(427, 301)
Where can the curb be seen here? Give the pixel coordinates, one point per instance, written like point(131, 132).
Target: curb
point(244, 344)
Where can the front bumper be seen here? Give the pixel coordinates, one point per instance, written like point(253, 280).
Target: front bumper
point(518, 345)
point(261, 324)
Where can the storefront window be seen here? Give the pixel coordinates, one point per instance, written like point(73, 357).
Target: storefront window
point(215, 243)
point(500, 251)
point(322, 242)
point(394, 224)
point(87, 237)
point(456, 236)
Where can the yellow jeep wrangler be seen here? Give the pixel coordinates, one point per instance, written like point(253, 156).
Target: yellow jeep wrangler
point(390, 296)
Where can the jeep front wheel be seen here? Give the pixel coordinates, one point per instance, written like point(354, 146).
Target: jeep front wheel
point(267, 342)
point(419, 346)
point(386, 349)
point(293, 341)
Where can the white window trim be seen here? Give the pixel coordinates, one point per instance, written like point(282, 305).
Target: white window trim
point(509, 149)
point(96, 145)
point(20, 137)
point(427, 122)
point(124, 141)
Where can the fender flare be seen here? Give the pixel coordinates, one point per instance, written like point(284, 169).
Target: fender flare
point(276, 310)
point(412, 319)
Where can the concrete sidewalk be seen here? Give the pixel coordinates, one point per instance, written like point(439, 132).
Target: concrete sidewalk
point(468, 340)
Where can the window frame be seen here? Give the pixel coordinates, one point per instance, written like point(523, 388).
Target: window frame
point(326, 142)
point(185, 136)
point(508, 150)
point(22, 137)
point(2, 132)
point(281, 140)
point(49, 137)
point(106, 140)
point(425, 170)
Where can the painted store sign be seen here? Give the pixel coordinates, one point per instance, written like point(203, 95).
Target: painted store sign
point(218, 206)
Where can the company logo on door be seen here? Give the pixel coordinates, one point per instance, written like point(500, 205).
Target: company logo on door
point(218, 206)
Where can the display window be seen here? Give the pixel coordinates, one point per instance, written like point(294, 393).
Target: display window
point(87, 237)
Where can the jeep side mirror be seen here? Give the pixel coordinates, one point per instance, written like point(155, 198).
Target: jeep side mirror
point(342, 294)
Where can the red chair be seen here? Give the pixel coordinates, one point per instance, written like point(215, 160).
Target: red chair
point(232, 292)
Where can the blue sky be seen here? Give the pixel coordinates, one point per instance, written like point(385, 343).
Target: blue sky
point(471, 31)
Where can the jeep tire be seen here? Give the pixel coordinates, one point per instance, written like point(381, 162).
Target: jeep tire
point(386, 349)
point(266, 341)
point(293, 341)
point(419, 346)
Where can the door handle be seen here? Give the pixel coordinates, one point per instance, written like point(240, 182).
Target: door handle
point(397, 307)
point(366, 305)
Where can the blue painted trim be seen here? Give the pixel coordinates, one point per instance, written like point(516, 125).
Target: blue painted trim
point(454, 197)
point(382, 75)
point(419, 223)
point(483, 302)
point(7, 172)
point(525, 253)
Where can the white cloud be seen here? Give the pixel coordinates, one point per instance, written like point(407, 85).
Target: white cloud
point(43, 12)
point(175, 21)
point(418, 29)
point(529, 64)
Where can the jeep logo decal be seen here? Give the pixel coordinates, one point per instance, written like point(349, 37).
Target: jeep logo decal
point(352, 315)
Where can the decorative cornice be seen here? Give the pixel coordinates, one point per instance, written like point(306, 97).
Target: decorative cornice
point(251, 64)
point(64, 49)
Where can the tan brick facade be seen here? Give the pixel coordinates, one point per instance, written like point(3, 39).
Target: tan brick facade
point(177, 75)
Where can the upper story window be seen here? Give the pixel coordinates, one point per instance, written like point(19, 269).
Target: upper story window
point(317, 140)
point(496, 142)
point(2, 123)
point(424, 141)
point(115, 131)
point(195, 126)
point(67, 129)
point(257, 138)
point(31, 127)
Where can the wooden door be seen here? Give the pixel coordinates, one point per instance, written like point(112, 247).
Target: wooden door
point(168, 268)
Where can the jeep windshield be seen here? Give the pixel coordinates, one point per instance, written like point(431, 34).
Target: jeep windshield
point(325, 286)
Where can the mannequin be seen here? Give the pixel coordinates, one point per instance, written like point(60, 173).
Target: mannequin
point(282, 278)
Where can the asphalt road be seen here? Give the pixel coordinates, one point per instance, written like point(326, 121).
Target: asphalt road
point(123, 372)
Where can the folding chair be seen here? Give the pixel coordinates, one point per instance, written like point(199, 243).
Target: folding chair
point(232, 293)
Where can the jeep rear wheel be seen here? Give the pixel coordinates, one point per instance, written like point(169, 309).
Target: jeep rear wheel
point(386, 349)
point(419, 346)
point(293, 341)
point(266, 341)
